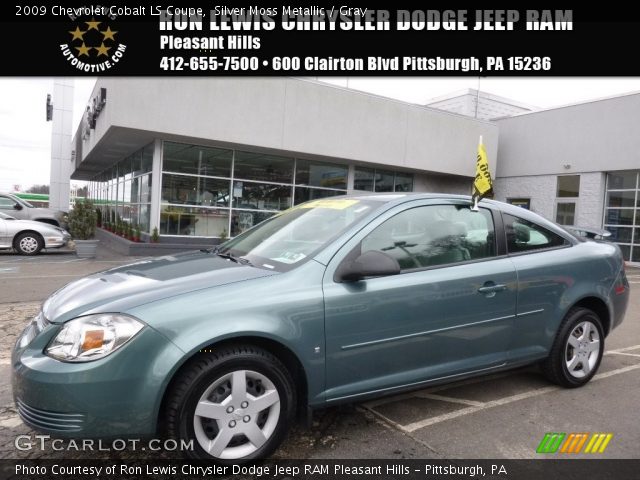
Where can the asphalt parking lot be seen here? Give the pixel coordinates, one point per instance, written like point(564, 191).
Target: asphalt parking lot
point(500, 416)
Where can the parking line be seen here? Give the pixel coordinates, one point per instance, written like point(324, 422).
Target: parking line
point(624, 353)
point(474, 407)
point(623, 349)
point(442, 398)
point(48, 276)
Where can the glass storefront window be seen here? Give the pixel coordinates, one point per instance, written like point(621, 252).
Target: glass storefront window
point(317, 174)
point(370, 180)
point(304, 194)
point(196, 160)
point(258, 166)
point(144, 217)
point(404, 182)
point(565, 213)
point(201, 186)
point(145, 188)
point(261, 196)
point(619, 216)
point(626, 251)
point(384, 181)
point(190, 190)
point(568, 186)
point(147, 158)
point(622, 180)
point(194, 221)
point(621, 199)
point(244, 220)
point(364, 179)
point(620, 234)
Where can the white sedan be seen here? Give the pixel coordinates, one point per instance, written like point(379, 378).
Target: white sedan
point(28, 237)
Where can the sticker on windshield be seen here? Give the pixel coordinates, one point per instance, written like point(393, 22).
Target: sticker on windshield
point(328, 203)
point(290, 257)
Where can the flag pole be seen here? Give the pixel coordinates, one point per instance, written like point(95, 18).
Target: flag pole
point(474, 207)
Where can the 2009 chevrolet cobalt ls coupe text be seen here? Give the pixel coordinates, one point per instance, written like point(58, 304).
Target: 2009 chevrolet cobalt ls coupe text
point(334, 300)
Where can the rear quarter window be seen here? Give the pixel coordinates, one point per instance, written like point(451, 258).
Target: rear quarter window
point(526, 236)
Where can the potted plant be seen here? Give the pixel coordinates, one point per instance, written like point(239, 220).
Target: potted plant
point(82, 226)
point(129, 232)
point(99, 217)
point(155, 237)
point(136, 233)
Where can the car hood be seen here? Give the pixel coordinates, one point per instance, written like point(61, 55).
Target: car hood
point(32, 225)
point(128, 286)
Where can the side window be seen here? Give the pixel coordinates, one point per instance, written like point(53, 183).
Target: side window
point(524, 236)
point(6, 203)
point(434, 235)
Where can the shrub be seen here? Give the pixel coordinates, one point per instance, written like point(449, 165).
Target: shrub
point(82, 220)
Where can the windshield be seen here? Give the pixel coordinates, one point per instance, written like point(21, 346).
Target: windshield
point(24, 203)
point(287, 239)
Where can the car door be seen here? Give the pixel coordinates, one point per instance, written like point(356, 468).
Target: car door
point(5, 242)
point(544, 278)
point(450, 311)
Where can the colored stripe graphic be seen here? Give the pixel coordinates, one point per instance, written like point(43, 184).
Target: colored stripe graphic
point(550, 442)
point(598, 443)
point(573, 443)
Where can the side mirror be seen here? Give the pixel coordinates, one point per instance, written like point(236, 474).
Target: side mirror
point(370, 264)
point(17, 206)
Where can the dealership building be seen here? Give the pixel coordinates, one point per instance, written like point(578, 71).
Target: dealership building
point(202, 159)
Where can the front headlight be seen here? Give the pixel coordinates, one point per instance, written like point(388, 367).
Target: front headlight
point(92, 337)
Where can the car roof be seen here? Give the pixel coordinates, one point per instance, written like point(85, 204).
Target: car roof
point(396, 198)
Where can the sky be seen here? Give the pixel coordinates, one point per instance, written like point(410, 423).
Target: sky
point(25, 135)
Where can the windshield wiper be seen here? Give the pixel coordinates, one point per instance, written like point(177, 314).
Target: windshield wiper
point(233, 258)
point(228, 256)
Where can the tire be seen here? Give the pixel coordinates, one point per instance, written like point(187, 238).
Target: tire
point(28, 243)
point(577, 350)
point(227, 430)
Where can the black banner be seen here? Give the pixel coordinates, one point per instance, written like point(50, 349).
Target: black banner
point(321, 469)
point(282, 39)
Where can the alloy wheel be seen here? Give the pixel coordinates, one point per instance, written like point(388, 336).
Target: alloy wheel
point(28, 244)
point(582, 349)
point(236, 414)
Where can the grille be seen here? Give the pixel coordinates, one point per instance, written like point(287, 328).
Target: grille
point(51, 421)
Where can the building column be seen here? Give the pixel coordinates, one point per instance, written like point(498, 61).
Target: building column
point(351, 178)
point(61, 161)
point(156, 186)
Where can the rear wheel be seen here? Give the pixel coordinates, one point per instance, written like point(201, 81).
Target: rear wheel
point(577, 351)
point(235, 404)
point(28, 243)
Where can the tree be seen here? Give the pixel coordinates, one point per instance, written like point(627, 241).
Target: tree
point(39, 189)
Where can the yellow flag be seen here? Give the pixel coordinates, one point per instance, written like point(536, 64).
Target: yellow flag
point(482, 185)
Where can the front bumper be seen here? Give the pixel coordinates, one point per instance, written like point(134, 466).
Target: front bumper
point(56, 242)
point(117, 396)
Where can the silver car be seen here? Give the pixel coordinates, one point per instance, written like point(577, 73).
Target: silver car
point(23, 210)
point(28, 237)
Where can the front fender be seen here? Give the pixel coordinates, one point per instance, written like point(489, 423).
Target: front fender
point(286, 308)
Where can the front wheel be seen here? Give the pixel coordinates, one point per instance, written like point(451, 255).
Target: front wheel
point(577, 351)
point(235, 404)
point(28, 243)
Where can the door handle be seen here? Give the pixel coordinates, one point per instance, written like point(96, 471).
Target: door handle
point(490, 289)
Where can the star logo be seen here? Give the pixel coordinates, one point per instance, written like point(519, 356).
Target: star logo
point(93, 47)
point(83, 50)
point(77, 34)
point(102, 50)
point(108, 34)
point(92, 24)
